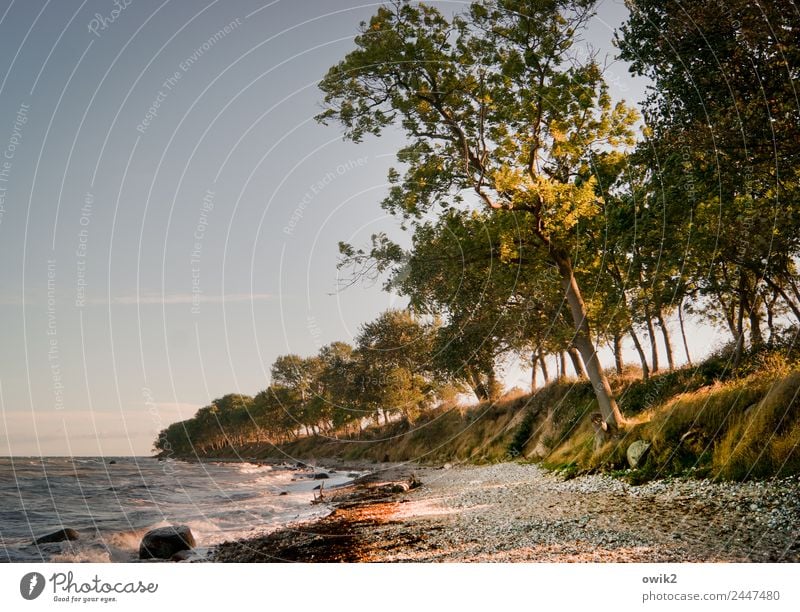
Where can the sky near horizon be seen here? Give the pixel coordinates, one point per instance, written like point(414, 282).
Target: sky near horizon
point(170, 211)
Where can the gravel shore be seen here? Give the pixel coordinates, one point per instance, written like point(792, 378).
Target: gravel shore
point(515, 512)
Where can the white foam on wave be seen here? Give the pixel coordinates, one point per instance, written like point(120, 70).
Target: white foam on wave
point(84, 555)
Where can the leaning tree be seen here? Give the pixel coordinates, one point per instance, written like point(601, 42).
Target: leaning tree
point(500, 112)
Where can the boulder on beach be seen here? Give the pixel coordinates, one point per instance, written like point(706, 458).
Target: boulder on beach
point(181, 555)
point(164, 542)
point(320, 476)
point(58, 536)
point(636, 452)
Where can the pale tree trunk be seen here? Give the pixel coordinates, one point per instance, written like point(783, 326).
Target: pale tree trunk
point(617, 344)
point(683, 333)
point(577, 363)
point(665, 335)
point(543, 366)
point(562, 365)
point(640, 351)
point(583, 342)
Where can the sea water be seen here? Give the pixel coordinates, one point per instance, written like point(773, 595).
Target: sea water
point(113, 505)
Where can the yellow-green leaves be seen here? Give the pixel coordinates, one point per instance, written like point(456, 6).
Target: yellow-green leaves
point(565, 204)
point(562, 205)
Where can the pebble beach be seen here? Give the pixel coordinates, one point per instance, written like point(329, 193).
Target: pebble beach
point(512, 512)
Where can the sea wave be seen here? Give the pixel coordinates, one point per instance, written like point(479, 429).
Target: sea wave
point(112, 506)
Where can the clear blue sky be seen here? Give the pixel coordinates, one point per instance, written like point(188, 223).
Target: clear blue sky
point(170, 210)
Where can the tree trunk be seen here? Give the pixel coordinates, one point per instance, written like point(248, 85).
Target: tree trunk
point(665, 335)
point(793, 285)
point(493, 388)
point(737, 353)
point(683, 334)
point(534, 361)
point(651, 331)
point(756, 337)
point(476, 384)
point(562, 365)
point(543, 365)
point(779, 290)
point(770, 307)
point(577, 363)
point(583, 342)
point(617, 344)
point(640, 350)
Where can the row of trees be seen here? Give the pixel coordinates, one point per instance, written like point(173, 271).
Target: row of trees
point(541, 222)
point(391, 372)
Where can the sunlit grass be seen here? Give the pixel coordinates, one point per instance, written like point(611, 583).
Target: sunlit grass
point(707, 421)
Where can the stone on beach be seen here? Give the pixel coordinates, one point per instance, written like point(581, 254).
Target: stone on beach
point(164, 542)
point(58, 536)
point(636, 452)
point(181, 555)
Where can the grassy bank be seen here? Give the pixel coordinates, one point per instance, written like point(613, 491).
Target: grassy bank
point(706, 421)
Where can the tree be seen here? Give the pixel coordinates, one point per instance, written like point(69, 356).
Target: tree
point(499, 114)
point(299, 376)
point(337, 389)
point(725, 138)
point(395, 372)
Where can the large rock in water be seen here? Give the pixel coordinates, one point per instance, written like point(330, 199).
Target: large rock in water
point(164, 542)
point(58, 536)
point(636, 452)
